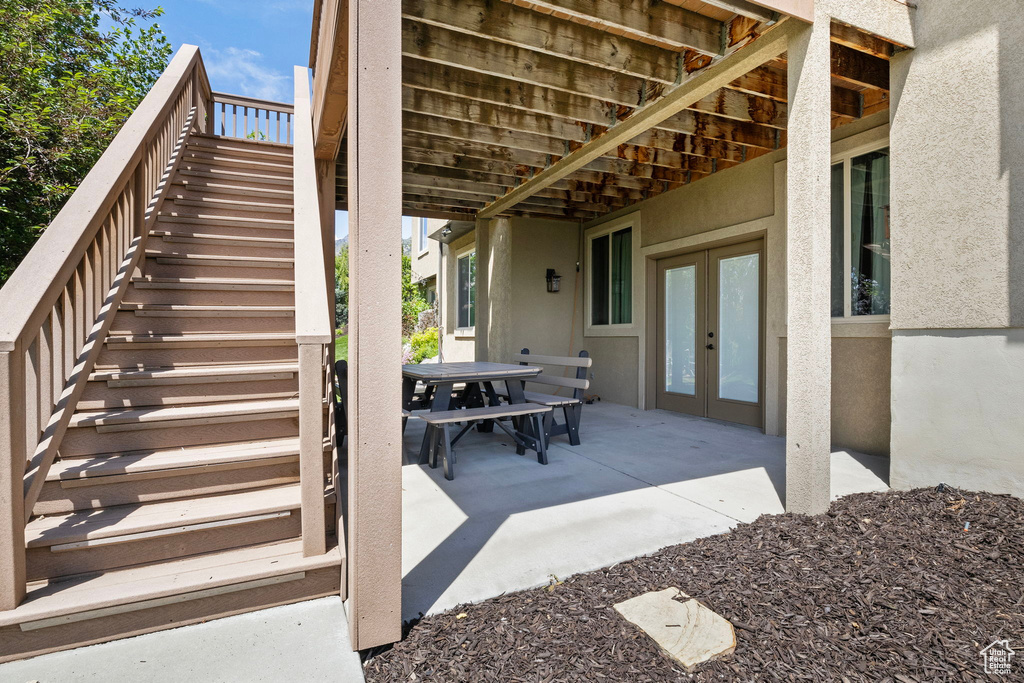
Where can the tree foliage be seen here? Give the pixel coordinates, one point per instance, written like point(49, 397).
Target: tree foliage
point(341, 287)
point(71, 73)
point(413, 301)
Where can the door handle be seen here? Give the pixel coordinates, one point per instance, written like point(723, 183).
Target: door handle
point(710, 347)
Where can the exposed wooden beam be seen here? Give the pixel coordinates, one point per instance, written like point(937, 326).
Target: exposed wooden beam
point(697, 86)
point(506, 23)
point(649, 21)
point(743, 8)
point(861, 41)
point(444, 46)
point(859, 68)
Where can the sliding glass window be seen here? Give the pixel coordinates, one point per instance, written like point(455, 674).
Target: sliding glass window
point(467, 291)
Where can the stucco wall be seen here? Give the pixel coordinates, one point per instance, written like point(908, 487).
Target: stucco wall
point(958, 409)
point(958, 249)
point(958, 169)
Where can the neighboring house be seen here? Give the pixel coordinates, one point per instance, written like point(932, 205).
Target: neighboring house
point(798, 215)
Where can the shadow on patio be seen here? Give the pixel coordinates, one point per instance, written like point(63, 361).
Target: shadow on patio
point(640, 481)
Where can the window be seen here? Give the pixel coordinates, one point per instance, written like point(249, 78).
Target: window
point(421, 227)
point(466, 291)
point(611, 278)
point(860, 235)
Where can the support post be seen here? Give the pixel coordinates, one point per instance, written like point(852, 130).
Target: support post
point(808, 245)
point(375, 322)
point(12, 472)
point(500, 294)
point(482, 284)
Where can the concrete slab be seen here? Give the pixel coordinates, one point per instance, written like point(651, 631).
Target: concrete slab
point(307, 641)
point(640, 481)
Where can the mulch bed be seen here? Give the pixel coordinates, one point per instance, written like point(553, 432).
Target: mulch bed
point(884, 587)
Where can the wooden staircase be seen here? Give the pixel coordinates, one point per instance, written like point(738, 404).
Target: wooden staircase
point(175, 496)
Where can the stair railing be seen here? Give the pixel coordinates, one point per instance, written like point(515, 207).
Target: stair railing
point(59, 304)
point(314, 329)
point(235, 116)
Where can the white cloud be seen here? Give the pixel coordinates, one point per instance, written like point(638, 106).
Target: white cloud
point(240, 71)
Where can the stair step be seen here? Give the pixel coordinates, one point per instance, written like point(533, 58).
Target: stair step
point(234, 221)
point(120, 420)
point(199, 340)
point(99, 465)
point(223, 240)
point(218, 159)
point(134, 589)
point(187, 311)
point(193, 374)
point(215, 284)
point(225, 174)
point(222, 261)
point(124, 523)
point(245, 143)
point(235, 190)
point(248, 150)
point(232, 204)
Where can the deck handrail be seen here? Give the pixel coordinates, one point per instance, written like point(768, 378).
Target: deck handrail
point(262, 120)
point(58, 304)
point(314, 330)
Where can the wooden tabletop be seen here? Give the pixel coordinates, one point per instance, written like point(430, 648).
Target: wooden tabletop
point(472, 371)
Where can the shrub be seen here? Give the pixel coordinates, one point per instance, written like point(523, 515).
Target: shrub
point(423, 345)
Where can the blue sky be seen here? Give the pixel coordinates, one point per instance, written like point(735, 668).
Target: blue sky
point(249, 48)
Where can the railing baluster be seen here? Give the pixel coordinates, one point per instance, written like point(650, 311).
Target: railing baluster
point(45, 356)
point(59, 342)
point(31, 397)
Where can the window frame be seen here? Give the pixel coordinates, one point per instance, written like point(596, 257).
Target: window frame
point(846, 158)
point(421, 236)
point(610, 329)
point(460, 330)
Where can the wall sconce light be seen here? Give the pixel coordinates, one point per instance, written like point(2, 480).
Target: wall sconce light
point(554, 280)
point(445, 231)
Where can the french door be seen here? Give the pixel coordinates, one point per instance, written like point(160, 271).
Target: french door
point(710, 328)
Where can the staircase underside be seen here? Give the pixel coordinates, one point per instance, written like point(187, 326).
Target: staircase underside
point(175, 496)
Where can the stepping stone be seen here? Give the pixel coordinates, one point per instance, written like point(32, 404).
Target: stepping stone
point(686, 630)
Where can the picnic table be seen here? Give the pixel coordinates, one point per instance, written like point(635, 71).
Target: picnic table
point(479, 377)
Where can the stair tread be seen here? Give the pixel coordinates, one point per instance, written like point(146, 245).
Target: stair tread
point(114, 416)
point(212, 281)
point(201, 307)
point(284, 241)
point(268, 144)
point(193, 371)
point(204, 217)
point(197, 186)
point(202, 336)
point(224, 173)
point(121, 520)
point(133, 462)
point(246, 149)
point(152, 253)
point(136, 584)
point(214, 157)
point(235, 204)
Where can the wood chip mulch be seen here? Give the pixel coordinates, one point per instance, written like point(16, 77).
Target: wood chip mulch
point(899, 586)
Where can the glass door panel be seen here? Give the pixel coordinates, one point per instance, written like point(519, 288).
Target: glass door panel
point(681, 355)
point(734, 329)
point(680, 335)
point(738, 306)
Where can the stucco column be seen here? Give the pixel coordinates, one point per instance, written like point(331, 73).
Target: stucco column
point(499, 293)
point(375, 323)
point(808, 245)
point(483, 248)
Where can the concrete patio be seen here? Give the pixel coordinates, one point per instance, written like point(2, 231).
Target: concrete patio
point(640, 481)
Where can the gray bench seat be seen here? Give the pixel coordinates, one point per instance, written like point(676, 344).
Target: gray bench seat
point(528, 433)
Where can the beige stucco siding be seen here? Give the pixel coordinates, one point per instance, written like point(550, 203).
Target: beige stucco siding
point(958, 169)
point(958, 249)
point(456, 345)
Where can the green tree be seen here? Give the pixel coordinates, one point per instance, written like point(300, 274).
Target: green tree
point(71, 73)
point(341, 287)
point(413, 301)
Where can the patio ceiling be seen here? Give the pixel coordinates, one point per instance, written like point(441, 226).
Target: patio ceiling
point(497, 92)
